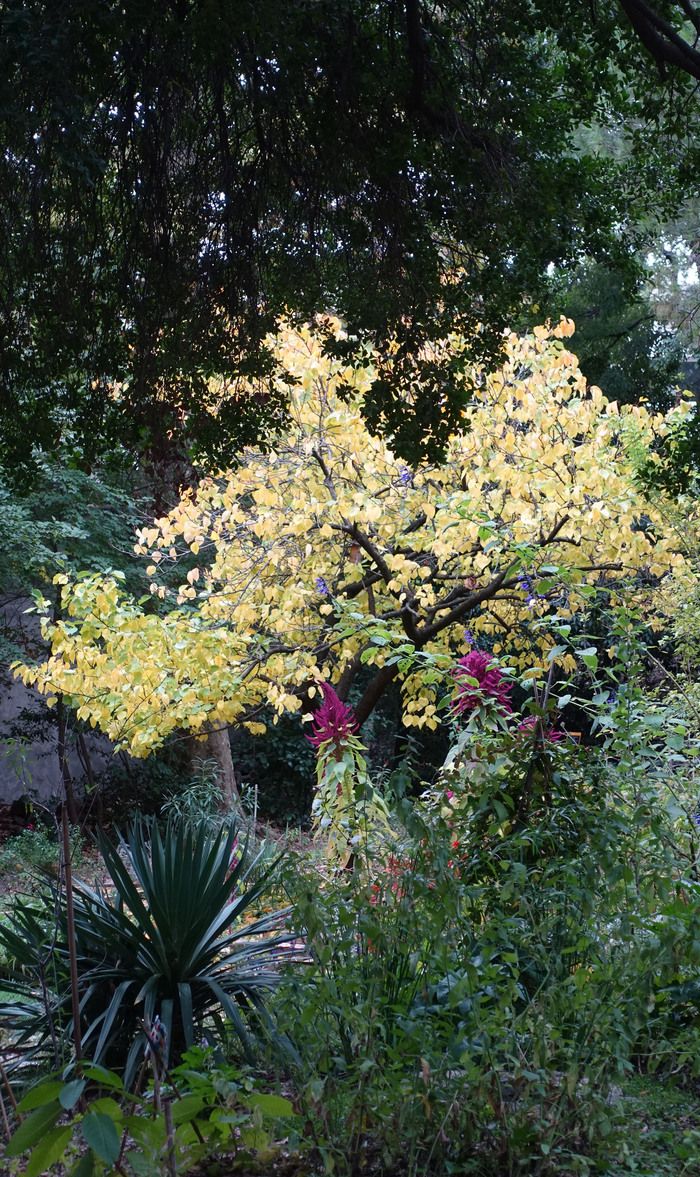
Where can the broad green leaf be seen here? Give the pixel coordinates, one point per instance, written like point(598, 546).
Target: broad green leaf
point(270, 1105)
point(33, 1128)
point(39, 1096)
point(255, 1138)
point(85, 1166)
point(187, 1108)
point(102, 1076)
point(101, 1135)
point(108, 1107)
point(49, 1150)
point(589, 657)
point(71, 1092)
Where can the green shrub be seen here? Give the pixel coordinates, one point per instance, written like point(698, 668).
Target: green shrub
point(35, 850)
point(177, 936)
point(444, 1031)
point(476, 999)
point(198, 802)
point(208, 1109)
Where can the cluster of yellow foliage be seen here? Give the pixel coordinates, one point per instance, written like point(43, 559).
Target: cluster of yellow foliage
point(327, 552)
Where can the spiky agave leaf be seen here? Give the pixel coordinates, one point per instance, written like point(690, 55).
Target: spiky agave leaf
point(172, 936)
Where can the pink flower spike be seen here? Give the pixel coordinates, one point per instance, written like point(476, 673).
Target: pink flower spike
point(531, 726)
point(333, 720)
point(482, 667)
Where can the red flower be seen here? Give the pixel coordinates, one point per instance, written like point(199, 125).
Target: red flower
point(333, 720)
point(533, 726)
point(491, 684)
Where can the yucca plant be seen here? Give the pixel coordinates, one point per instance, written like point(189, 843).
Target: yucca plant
point(173, 936)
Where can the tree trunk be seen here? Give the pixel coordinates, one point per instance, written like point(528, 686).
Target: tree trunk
point(216, 747)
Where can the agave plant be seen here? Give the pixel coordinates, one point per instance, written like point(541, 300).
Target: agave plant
point(173, 937)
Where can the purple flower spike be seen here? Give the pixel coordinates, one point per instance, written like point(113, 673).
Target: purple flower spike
point(406, 476)
point(333, 720)
point(492, 685)
point(321, 587)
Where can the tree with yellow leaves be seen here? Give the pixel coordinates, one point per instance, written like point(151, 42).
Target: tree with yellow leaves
point(327, 553)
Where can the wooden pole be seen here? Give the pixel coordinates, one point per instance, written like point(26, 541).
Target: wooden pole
point(70, 929)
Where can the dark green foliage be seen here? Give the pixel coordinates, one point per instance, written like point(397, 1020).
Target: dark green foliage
point(460, 1022)
point(36, 850)
point(619, 344)
point(66, 520)
point(174, 938)
point(478, 997)
point(140, 786)
point(677, 465)
point(176, 176)
point(279, 766)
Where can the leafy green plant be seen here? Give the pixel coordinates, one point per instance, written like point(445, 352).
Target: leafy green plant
point(207, 1108)
point(141, 785)
point(36, 849)
point(479, 994)
point(199, 802)
point(177, 937)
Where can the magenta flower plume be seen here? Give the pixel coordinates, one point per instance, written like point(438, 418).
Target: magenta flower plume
point(479, 665)
point(333, 720)
point(532, 725)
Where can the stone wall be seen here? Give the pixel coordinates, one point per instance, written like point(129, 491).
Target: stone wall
point(29, 763)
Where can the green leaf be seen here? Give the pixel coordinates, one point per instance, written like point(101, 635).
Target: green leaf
point(33, 1128)
point(49, 1150)
point(102, 1137)
point(102, 1076)
point(673, 740)
point(107, 1106)
point(270, 1105)
point(70, 1093)
point(255, 1138)
point(500, 810)
point(141, 1165)
point(187, 1108)
point(85, 1167)
point(589, 656)
point(149, 1135)
point(39, 1096)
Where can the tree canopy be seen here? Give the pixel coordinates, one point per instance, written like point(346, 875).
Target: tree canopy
point(328, 554)
point(619, 342)
point(176, 176)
